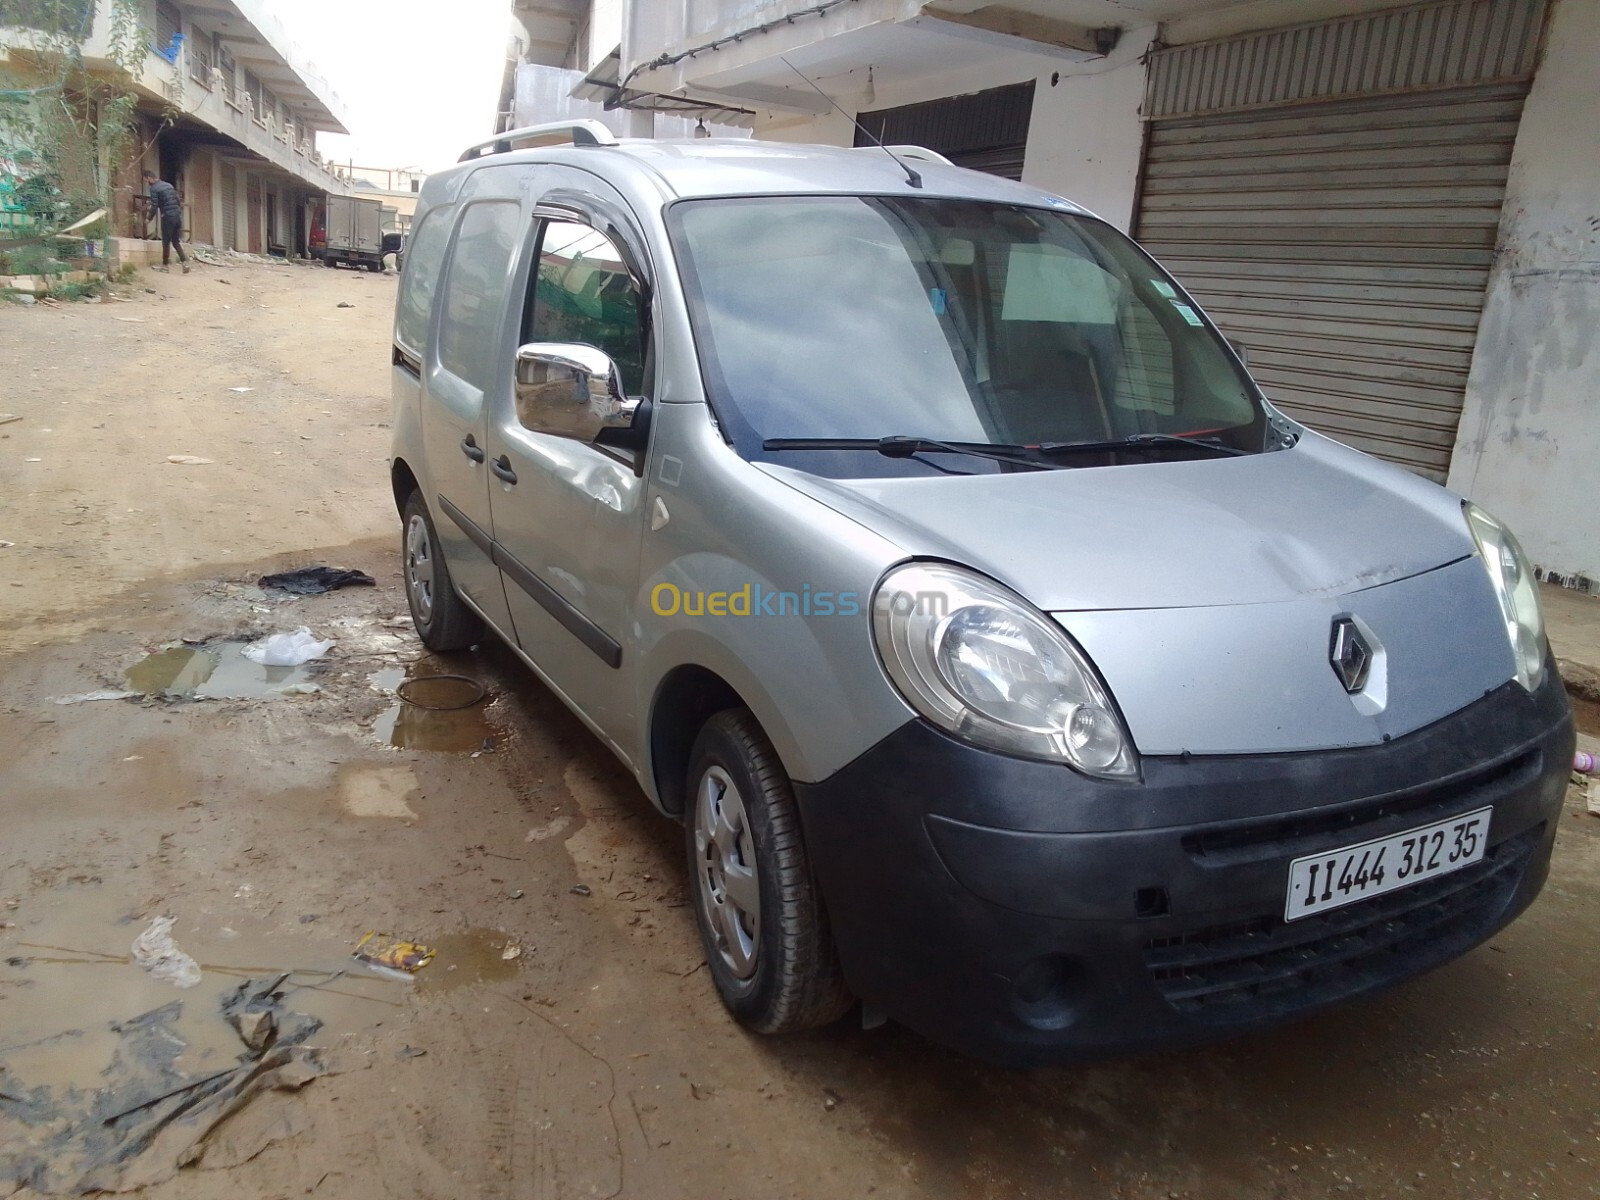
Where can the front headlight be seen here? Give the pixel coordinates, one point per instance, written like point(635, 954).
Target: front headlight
point(977, 660)
point(1515, 589)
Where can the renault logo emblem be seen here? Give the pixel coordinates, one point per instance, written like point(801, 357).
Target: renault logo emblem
point(1350, 655)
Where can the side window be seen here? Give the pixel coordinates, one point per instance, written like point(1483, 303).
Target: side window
point(420, 277)
point(479, 269)
point(583, 293)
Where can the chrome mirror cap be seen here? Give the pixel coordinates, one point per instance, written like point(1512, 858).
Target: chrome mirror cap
point(570, 390)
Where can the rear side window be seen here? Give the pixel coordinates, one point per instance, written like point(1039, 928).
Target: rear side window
point(475, 289)
point(420, 277)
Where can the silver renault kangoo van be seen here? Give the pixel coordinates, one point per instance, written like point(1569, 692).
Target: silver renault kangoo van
point(1015, 668)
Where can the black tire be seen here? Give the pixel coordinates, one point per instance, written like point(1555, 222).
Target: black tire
point(375, 267)
point(442, 620)
point(776, 970)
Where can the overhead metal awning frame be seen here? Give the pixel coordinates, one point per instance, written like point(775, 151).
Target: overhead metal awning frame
point(603, 86)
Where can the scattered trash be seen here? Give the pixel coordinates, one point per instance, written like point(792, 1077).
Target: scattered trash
point(130, 320)
point(156, 952)
point(102, 694)
point(7, 418)
point(33, 460)
point(239, 389)
point(189, 460)
point(287, 649)
point(580, 889)
point(441, 693)
point(410, 1052)
point(402, 959)
point(1583, 763)
point(345, 304)
point(5, 545)
point(149, 1118)
point(511, 953)
point(515, 895)
point(831, 1099)
point(314, 581)
point(1594, 797)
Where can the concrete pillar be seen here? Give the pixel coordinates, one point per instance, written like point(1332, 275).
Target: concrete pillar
point(1528, 448)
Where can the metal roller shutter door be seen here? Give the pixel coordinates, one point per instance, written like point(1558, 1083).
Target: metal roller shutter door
point(230, 212)
point(1347, 244)
point(982, 131)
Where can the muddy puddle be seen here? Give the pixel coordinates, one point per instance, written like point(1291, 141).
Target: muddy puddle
point(437, 712)
point(67, 983)
point(472, 956)
point(218, 671)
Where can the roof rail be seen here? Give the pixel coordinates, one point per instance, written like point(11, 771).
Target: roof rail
point(919, 152)
point(579, 133)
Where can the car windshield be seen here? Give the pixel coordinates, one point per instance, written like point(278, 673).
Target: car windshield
point(959, 321)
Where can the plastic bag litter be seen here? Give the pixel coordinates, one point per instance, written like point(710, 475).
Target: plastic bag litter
point(287, 649)
point(313, 581)
point(156, 952)
point(102, 694)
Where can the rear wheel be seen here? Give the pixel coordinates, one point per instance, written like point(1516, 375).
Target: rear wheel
point(375, 267)
point(761, 919)
point(442, 619)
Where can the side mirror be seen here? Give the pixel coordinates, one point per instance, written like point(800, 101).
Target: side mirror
point(570, 390)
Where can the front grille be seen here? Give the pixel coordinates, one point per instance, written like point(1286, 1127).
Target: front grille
point(1257, 969)
point(1290, 835)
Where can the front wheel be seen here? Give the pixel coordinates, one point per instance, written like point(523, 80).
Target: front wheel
point(761, 919)
point(442, 619)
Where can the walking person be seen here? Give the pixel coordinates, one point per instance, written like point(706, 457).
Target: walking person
point(163, 199)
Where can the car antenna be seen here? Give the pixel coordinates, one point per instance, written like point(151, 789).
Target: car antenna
point(914, 179)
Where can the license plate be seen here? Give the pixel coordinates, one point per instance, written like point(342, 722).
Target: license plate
point(1320, 882)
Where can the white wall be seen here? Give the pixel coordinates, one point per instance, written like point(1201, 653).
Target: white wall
point(1528, 448)
point(1084, 137)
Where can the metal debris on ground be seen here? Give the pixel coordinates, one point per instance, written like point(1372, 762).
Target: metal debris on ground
point(580, 889)
point(314, 581)
point(149, 1118)
point(392, 958)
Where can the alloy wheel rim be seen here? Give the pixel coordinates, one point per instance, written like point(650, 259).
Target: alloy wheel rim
point(725, 872)
point(419, 568)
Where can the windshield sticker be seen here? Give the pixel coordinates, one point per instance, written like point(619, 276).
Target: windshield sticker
point(936, 298)
point(1165, 288)
point(1187, 313)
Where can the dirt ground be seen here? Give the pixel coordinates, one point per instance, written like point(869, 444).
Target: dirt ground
point(560, 1044)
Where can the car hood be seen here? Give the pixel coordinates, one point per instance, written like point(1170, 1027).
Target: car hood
point(1317, 520)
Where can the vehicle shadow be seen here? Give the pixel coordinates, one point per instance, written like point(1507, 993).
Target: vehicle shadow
point(1453, 1073)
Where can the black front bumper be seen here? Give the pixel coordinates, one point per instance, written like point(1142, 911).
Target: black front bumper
point(1025, 914)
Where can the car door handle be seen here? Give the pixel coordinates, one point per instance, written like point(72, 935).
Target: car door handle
point(470, 447)
point(502, 468)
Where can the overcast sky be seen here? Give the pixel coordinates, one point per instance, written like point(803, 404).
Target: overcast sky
point(419, 79)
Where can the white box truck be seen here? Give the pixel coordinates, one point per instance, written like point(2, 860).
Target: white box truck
point(349, 231)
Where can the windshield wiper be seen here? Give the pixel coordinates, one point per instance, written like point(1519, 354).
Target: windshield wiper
point(1136, 441)
point(910, 447)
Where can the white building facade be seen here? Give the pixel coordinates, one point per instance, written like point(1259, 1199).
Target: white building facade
point(1391, 205)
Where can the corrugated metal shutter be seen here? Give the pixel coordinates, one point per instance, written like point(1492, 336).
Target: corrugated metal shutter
point(1332, 194)
point(1347, 245)
point(983, 131)
point(230, 212)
